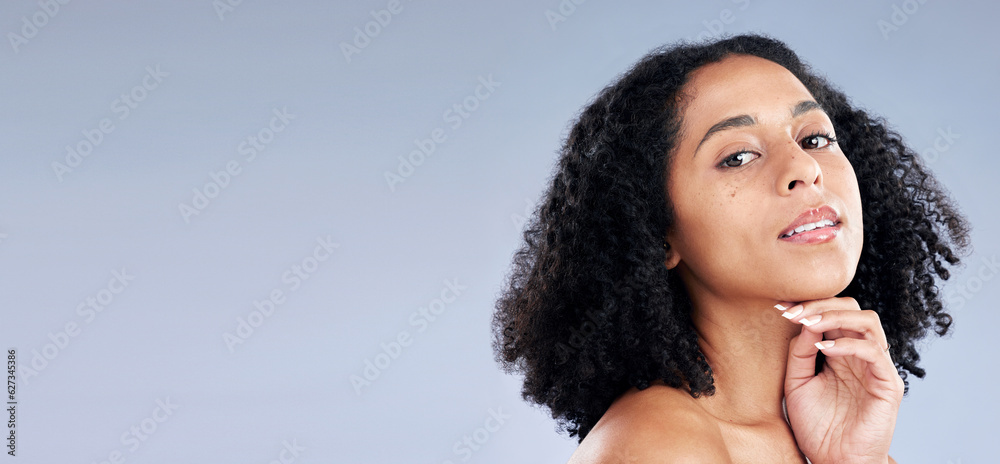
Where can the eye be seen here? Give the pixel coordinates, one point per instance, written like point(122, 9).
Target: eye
point(818, 141)
point(738, 159)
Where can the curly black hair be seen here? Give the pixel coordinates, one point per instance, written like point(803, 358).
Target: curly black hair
point(589, 309)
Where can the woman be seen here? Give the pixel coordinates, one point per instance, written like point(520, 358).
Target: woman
point(720, 215)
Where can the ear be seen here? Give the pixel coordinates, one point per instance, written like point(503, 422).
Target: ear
point(673, 258)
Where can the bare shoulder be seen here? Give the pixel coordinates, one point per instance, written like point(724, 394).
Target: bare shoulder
point(657, 425)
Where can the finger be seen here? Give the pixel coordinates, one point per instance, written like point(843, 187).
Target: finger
point(819, 306)
point(808, 311)
point(797, 312)
point(879, 362)
point(801, 366)
point(864, 325)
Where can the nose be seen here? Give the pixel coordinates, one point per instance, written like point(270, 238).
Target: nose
point(798, 169)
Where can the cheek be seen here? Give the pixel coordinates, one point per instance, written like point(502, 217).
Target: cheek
point(712, 220)
point(844, 183)
point(843, 179)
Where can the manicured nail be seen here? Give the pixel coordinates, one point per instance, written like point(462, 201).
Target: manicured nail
point(782, 307)
point(810, 321)
point(792, 314)
point(824, 344)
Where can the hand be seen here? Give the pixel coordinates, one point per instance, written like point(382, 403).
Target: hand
point(847, 412)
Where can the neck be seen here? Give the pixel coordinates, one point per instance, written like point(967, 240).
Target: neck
point(746, 344)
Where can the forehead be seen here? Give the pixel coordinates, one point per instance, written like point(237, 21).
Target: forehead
point(739, 84)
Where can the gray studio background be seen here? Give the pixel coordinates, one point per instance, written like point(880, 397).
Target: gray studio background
point(247, 162)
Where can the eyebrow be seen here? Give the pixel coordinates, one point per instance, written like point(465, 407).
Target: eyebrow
point(745, 120)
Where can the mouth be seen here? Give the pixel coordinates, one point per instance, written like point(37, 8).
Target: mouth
point(813, 226)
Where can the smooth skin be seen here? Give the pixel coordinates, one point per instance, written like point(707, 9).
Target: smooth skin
point(734, 189)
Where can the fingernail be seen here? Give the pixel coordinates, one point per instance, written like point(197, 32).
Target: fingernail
point(792, 314)
point(782, 307)
point(824, 344)
point(812, 320)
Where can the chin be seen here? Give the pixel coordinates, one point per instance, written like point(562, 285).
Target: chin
point(817, 285)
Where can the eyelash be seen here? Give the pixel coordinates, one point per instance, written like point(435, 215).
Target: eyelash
point(744, 151)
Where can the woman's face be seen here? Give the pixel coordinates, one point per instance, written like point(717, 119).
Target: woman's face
point(754, 160)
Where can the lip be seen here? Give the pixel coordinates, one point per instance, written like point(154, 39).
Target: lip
point(818, 235)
